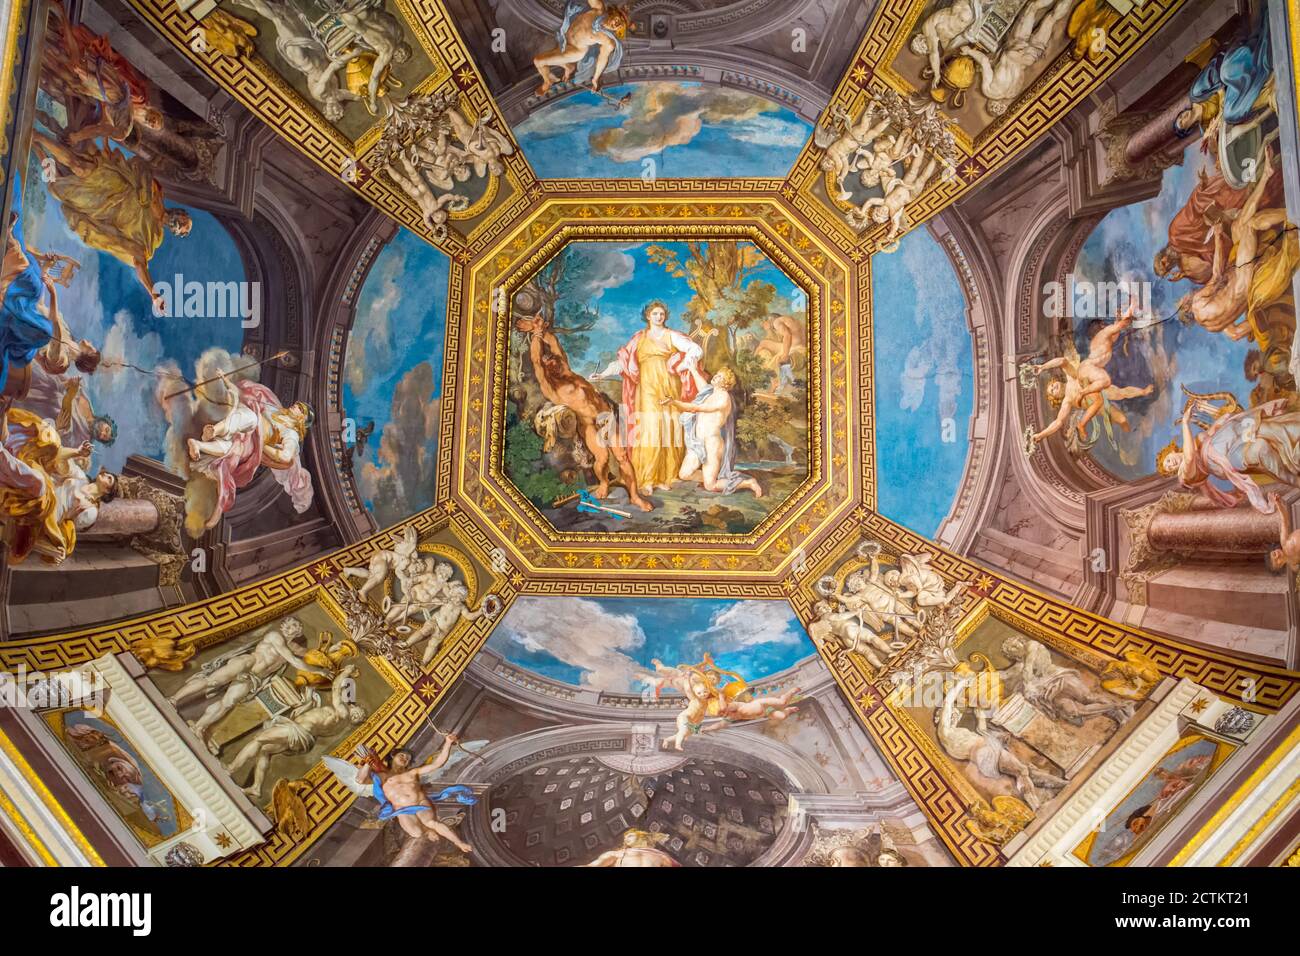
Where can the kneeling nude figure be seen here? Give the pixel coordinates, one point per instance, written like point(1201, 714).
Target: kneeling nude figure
point(710, 431)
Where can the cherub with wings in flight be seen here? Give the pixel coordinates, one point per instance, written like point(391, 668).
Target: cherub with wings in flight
point(709, 695)
point(400, 788)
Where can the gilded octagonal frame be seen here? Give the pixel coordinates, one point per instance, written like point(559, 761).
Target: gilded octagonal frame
point(838, 424)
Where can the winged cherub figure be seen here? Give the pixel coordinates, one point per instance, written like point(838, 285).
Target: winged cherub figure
point(401, 789)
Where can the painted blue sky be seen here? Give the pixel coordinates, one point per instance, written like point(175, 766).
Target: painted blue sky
point(107, 305)
point(621, 280)
point(393, 375)
point(686, 129)
point(923, 376)
point(608, 643)
point(1114, 839)
point(1169, 354)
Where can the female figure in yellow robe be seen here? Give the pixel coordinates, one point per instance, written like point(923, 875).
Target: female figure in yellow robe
point(112, 202)
point(655, 366)
point(45, 497)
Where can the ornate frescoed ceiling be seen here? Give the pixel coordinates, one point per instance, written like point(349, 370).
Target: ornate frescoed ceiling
point(697, 432)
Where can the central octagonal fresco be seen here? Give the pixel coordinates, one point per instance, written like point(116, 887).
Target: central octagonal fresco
point(665, 386)
point(658, 387)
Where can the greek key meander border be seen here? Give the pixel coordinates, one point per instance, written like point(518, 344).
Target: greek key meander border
point(556, 222)
point(1119, 775)
point(569, 232)
point(1062, 86)
point(927, 779)
point(934, 783)
point(269, 96)
point(923, 779)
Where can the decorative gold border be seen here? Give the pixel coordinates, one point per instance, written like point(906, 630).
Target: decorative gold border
point(54, 720)
point(1062, 86)
point(227, 616)
point(1222, 751)
point(933, 781)
point(11, 811)
point(478, 392)
point(664, 233)
point(498, 246)
point(414, 695)
point(16, 14)
point(1239, 796)
point(268, 95)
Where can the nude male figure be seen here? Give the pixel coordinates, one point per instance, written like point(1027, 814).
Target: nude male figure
point(1087, 382)
point(877, 598)
point(898, 192)
point(582, 35)
point(1003, 79)
point(424, 587)
point(638, 849)
point(841, 155)
point(239, 677)
point(988, 752)
point(299, 731)
point(401, 788)
point(847, 628)
point(1221, 304)
point(712, 413)
point(1059, 690)
point(786, 336)
point(876, 165)
point(454, 607)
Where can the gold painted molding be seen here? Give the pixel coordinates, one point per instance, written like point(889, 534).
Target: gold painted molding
point(1064, 84)
point(27, 779)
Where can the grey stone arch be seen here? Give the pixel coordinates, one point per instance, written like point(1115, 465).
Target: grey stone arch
point(754, 752)
point(541, 712)
point(1080, 189)
point(330, 334)
point(1047, 255)
point(1071, 485)
point(1016, 236)
point(1114, 150)
point(1085, 169)
point(1006, 252)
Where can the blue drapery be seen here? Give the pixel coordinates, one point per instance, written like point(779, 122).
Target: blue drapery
point(24, 329)
point(1241, 73)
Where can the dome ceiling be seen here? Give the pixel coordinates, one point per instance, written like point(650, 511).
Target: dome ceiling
point(710, 814)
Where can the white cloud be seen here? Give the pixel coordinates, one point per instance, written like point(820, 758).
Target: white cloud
point(748, 624)
point(939, 316)
point(125, 394)
point(558, 121)
point(770, 131)
point(604, 267)
point(371, 338)
point(582, 634)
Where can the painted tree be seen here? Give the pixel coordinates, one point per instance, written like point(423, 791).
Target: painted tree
point(727, 298)
point(555, 291)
